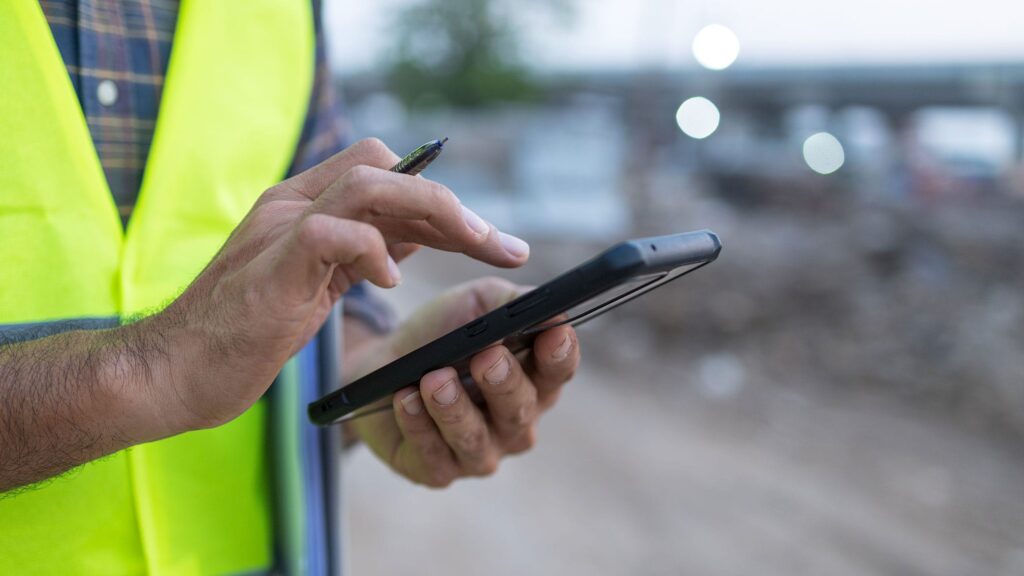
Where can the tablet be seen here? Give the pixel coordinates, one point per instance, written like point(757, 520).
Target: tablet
point(617, 275)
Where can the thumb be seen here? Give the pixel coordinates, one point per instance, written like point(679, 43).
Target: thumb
point(452, 309)
point(489, 293)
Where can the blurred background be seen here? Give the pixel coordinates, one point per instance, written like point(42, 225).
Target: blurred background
point(841, 393)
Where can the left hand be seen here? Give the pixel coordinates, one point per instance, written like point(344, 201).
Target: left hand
point(436, 434)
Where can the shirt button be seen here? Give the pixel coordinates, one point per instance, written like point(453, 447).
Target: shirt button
point(106, 91)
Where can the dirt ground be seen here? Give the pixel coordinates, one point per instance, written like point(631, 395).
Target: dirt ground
point(662, 474)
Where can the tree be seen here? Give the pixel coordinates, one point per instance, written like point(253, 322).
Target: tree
point(463, 53)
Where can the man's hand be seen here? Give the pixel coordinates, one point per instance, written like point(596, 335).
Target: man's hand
point(216, 349)
point(436, 433)
point(306, 241)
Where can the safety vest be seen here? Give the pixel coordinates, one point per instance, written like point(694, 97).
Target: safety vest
point(236, 94)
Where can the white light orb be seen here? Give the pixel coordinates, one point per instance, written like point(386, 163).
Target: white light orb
point(823, 153)
point(716, 47)
point(698, 117)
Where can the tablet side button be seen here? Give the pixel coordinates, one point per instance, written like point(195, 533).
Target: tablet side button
point(532, 300)
point(476, 328)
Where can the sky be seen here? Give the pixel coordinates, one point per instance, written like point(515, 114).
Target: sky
point(625, 34)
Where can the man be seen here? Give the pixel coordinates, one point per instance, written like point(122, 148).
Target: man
point(229, 274)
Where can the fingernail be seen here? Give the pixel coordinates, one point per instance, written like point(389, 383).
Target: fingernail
point(446, 395)
point(412, 404)
point(396, 274)
point(513, 245)
point(475, 222)
point(562, 352)
point(497, 373)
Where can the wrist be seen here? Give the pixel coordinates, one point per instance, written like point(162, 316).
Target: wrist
point(137, 371)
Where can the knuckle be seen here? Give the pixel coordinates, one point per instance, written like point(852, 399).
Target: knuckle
point(398, 465)
point(312, 229)
point(450, 418)
point(486, 467)
point(493, 291)
point(271, 194)
point(524, 414)
point(372, 148)
point(357, 179)
point(505, 393)
point(471, 441)
point(418, 426)
point(489, 293)
point(523, 442)
point(442, 195)
point(550, 398)
point(439, 478)
point(493, 285)
point(252, 298)
point(367, 235)
point(365, 240)
point(434, 452)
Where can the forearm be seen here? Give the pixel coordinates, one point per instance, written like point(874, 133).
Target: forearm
point(74, 397)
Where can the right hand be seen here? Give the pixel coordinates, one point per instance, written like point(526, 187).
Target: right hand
point(303, 244)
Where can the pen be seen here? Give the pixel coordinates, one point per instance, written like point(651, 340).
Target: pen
point(417, 160)
point(413, 163)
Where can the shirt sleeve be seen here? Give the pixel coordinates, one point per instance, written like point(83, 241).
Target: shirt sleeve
point(324, 133)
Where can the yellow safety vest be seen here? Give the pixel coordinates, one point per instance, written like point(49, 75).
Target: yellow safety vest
point(236, 93)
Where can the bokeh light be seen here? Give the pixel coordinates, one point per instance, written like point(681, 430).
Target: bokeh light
point(698, 117)
point(823, 153)
point(716, 47)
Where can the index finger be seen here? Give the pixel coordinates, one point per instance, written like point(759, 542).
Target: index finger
point(367, 152)
point(417, 210)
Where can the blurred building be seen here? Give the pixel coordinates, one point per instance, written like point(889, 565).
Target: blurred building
point(917, 132)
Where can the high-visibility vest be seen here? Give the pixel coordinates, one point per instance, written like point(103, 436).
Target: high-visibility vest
point(236, 94)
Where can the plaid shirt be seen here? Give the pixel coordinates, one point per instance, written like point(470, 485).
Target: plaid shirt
point(116, 53)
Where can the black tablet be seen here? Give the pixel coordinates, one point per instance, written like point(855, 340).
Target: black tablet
point(610, 279)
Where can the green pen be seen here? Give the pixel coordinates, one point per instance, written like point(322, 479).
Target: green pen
point(417, 160)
